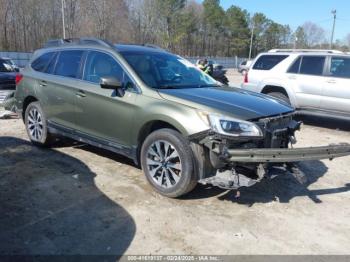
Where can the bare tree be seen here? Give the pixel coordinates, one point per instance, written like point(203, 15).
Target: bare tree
point(315, 35)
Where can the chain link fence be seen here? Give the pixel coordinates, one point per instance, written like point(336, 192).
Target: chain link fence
point(227, 62)
point(19, 58)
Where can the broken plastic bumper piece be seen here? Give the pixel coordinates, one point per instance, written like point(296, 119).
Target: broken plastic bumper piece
point(285, 155)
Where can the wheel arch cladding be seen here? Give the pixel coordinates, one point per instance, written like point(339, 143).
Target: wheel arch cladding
point(26, 102)
point(271, 88)
point(150, 127)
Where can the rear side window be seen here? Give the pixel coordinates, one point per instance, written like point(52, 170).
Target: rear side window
point(267, 62)
point(68, 63)
point(340, 67)
point(42, 61)
point(294, 69)
point(312, 65)
point(51, 66)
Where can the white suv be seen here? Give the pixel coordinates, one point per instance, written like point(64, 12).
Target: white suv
point(315, 82)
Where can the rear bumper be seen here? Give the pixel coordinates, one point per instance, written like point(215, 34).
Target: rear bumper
point(285, 155)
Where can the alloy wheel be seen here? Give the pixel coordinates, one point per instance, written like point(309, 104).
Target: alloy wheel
point(164, 164)
point(35, 124)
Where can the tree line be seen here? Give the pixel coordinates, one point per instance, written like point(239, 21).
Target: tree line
point(186, 27)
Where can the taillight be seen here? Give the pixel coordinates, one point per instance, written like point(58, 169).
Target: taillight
point(18, 78)
point(245, 77)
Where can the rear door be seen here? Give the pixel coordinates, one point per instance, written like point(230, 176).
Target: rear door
point(336, 94)
point(58, 86)
point(306, 76)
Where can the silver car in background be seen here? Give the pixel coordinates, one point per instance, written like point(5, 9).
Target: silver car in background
point(315, 82)
point(244, 66)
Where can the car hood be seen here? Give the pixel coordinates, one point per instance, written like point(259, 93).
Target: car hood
point(235, 102)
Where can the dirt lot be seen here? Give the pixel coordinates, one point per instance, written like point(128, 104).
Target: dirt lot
point(76, 199)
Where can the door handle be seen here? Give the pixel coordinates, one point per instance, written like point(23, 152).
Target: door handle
point(331, 81)
point(292, 77)
point(43, 83)
point(80, 93)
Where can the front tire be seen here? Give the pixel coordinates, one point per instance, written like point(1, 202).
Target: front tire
point(36, 125)
point(168, 163)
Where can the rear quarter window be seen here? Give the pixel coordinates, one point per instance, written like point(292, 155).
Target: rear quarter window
point(42, 61)
point(267, 62)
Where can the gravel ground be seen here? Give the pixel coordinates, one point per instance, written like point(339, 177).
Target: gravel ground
point(76, 199)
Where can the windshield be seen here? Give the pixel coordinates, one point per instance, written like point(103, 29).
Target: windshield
point(7, 65)
point(163, 70)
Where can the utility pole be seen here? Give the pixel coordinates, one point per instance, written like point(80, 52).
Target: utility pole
point(251, 42)
point(334, 12)
point(63, 24)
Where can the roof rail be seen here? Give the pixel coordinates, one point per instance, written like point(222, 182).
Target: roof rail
point(306, 51)
point(79, 41)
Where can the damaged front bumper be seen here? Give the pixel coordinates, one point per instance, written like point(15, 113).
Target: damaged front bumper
point(268, 163)
point(283, 155)
point(242, 162)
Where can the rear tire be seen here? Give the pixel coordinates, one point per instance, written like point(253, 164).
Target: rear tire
point(36, 125)
point(168, 163)
point(280, 96)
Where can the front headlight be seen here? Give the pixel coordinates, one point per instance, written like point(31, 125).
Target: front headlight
point(233, 127)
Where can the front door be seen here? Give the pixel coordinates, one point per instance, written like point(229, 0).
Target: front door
point(57, 87)
point(336, 94)
point(100, 112)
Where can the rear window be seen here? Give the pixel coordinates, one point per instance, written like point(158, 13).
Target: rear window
point(7, 66)
point(312, 65)
point(68, 63)
point(42, 61)
point(267, 62)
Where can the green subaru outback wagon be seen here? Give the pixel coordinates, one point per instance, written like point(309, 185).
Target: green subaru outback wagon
point(180, 125)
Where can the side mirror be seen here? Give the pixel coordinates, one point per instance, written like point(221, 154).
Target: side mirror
point(111, 82)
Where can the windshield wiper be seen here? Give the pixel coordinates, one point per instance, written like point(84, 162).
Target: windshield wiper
point(186, 86)
point(167, 87)
point(209, 85)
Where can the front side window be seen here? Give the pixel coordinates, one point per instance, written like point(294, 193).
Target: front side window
point(164, 70)
point(68, 63)
point(100, 65)
point(312, 65)
point(340, 67)
point(267, 62)
point(42, 61)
